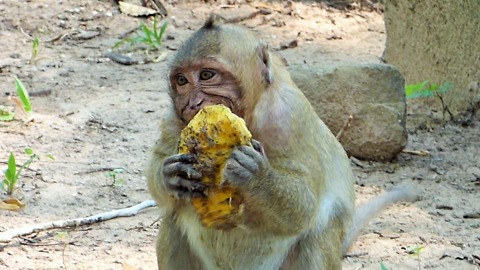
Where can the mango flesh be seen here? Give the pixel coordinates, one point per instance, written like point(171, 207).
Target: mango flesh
point(211, 136)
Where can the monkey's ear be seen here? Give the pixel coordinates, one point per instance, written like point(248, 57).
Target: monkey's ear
point(213, 21)
point(266, 63)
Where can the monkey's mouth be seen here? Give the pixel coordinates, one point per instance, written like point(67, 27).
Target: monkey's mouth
point(188, 112)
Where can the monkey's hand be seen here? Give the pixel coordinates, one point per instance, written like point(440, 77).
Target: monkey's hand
point(245, 164)
point(223, 207)
point(181, 179)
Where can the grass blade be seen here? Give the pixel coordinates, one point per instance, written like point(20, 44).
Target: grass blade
point(148, 33)
point(155, 30)
point(162, 31)
point(35, 50)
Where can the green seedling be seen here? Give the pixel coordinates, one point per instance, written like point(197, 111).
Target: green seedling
point(5, 114)
point(12, 174)
point(151, 37)
point(428, 89)
point(416, 251)
point(61, 235)
point(116, 182)
point(35, 50)
point(22, 102)
point(383, 267)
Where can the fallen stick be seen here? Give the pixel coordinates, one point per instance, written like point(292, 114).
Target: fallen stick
point(422, 153)
point(345, 126)
point(8, 235)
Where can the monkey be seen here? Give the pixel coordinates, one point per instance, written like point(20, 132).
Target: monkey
point(296, 179)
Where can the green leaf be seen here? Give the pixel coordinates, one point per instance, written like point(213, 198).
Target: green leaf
point(35, 46)
point(415, 250)
point(28, 151)
point(445, 87)
point(136, 40)
point(426, 89)
point(6, 115)
point(417, 90)
point(120, 43)
point(61, 235)
point(23, 95)
point(50, 157)
point(35, 43)
point(10, 173)
point(119, 170)
point(383, 267)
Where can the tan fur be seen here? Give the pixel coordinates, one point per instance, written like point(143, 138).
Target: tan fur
point(296, 216)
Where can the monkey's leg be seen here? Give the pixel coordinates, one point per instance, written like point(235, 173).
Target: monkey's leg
point(173, 249)
point(318, 250)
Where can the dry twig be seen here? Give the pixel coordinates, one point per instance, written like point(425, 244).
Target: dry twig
point(345, 127)
point(8, 235)
point(422, 153)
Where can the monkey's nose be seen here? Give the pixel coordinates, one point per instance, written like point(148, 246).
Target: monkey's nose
point(196, 105)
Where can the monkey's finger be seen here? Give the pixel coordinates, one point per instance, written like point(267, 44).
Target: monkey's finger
point(180, 185)
point(236, 173)
point(245, 159)
point(183, 158)
point(257, 157)
point(192, 186)
point(187, 194)
point(182, 169)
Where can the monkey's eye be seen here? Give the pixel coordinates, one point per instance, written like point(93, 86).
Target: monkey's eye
point(181, 80)
point(206, 75)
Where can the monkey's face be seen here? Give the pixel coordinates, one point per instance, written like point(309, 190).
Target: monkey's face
point(203, 83)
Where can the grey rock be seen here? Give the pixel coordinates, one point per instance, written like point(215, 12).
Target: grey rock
point(373, 94)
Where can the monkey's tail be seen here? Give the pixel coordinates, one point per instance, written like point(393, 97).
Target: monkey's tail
point(365, 213)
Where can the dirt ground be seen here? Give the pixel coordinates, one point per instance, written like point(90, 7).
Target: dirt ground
point(94, 115)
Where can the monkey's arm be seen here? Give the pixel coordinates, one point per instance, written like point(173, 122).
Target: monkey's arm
point(155, 180)
point(165, 147)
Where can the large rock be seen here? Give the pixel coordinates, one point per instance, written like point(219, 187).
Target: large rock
point(372, 93)
point(438, 41)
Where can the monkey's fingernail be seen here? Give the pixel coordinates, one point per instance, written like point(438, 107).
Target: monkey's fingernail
point(199, 188)
point(257, 146)
point(193, 174)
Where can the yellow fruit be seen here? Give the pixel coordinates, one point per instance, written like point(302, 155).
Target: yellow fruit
point(211, 136)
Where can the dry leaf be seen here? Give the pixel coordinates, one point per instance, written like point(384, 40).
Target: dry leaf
point(127, 266)
point(11, 204)
point(136, 10)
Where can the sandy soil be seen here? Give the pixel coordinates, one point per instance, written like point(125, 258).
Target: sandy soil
point(94, 115)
